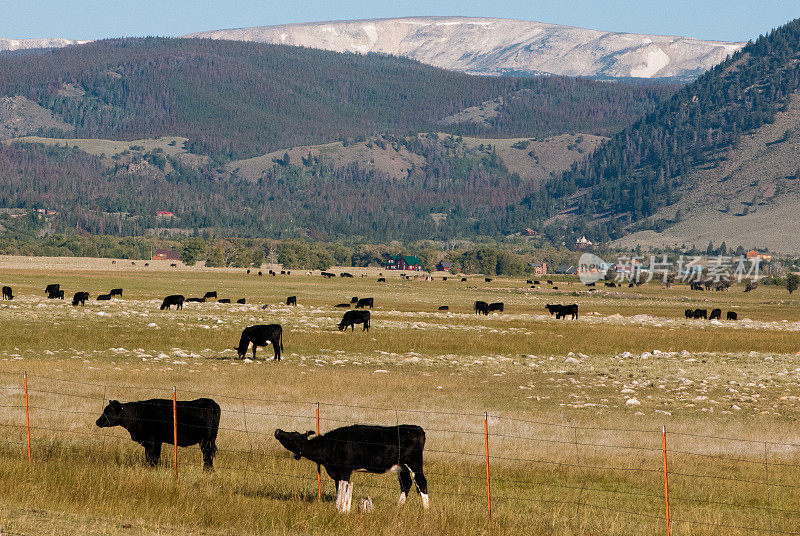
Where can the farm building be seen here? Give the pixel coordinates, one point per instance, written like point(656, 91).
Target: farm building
point(539, 268)
point(444, 266)
point(166, 255)
point(404, 262)
point(566, 269)
point(755, 254)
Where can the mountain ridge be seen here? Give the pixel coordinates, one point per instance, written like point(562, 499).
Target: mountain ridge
point(493, 46)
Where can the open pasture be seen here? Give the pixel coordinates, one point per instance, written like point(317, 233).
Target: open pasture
point(575, 407)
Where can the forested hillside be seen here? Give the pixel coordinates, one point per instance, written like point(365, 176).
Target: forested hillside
point(235, 99)
point(653, 162)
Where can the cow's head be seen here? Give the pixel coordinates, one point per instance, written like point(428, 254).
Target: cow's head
point(293, 441)
point(112, 415)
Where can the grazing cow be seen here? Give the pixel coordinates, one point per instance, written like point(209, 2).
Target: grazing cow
point(210, 294)
point(261, 335)
point(343, 305)
point(283, 272)
point(498, 306)
point(731, 315)
point(444, 279)
point(241, 301)
point(224, 300)
point(568, 310)
point(176, 300)
point(374, 449)
point(115, 292)
point(610, 284)
point(351, 318)
point(381, 280)
point(529, 282)
point(715, 314)
point(133, 263)
point(354, 299)
point(51, 288)
point(104, 297)
point(553, 308)
point(700, 313)
point(463, 279)
point(444, 308)
point(688, 313)
point(327, 274)
point(696, 286)
point(265, 306)
point(345, 274)
point(57, 295)
point(173, 265)
point(151, 423)
point(248, 271)
point(481, 307)
point(272, 272)
point(260, 274)
point(8, 294)
point(536, 282)
point(365, 302)
point(630, 285)
point(549, 281)
point(555, 288)
point(195, 300)
point(147, 264)
point(487, 279)
point(291, 300)
point(80, 298)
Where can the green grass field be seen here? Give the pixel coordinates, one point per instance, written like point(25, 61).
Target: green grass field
point(575, 407)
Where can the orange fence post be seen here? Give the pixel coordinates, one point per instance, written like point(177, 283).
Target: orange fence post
point(488, 480)
point(319, 475)
point(27, 414)
point(175, 426)
point(666, 481)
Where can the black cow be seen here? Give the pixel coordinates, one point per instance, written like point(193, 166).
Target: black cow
point(248, 271)
point(57, 295)
point(195, 300)
point(549, 281)
point(210, 294)
point(562, 311)
point(327, 274)
point(374, 449)
point(444, 308)
point(715, 314)
point(463, 279)
point(381, 280)
point(553, 308)
point(291, 300)
point(343, 305)
point(104, 297)
point(700, 313)
point(351, 318)
point(345, 274)
point(591, 284)
point(241, 301)
point(555, 288)
point(224, 300)
point(115, 292)
point(610, 284)
point(365, 302)
point(536, 282)
point(481, 307)
point(354, 299)
point(689, 313)
point(498, 306)
point(80, 298)
point(8, 294)
point(529, 282)
point(51, 288)
point(487, 279)
point(261, 335)
point(731, 315)
point(150, 423)
point(176, 300)
point(260, 274)
point(283, 272)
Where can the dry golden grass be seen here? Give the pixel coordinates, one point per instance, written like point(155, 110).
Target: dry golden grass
point(570, 454)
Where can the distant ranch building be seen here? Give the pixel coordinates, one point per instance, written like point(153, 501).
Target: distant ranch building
point(166, 255)
point(539, 268)
point(755, 254)
point(444, 266)
point(404, 262)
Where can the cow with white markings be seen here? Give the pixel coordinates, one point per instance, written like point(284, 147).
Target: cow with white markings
point(371, 449)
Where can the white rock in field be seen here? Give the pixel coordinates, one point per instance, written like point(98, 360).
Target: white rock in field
point(571, 360)
point(645, 355)
point(627, 391)
point(684, 353)
point(152, 325)
point(625, 355)
point(633, 401)
point(101, 313)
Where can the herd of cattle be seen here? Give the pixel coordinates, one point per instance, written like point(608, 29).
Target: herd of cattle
point(716, 314)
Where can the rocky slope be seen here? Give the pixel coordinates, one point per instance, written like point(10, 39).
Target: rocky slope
point(502, 46)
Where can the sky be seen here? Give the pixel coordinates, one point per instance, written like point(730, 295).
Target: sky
point(728, 20)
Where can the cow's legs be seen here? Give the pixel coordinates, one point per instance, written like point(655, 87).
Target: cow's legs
point(339, 494)
point(152, 452)
point(348, 499)
point(404, 476)
point(421, 483)
point(254, 351)
point(208, 447)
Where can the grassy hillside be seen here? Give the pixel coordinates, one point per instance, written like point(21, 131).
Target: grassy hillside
point(650, 165)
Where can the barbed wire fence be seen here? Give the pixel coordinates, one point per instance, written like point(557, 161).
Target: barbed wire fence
point(663, 480)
